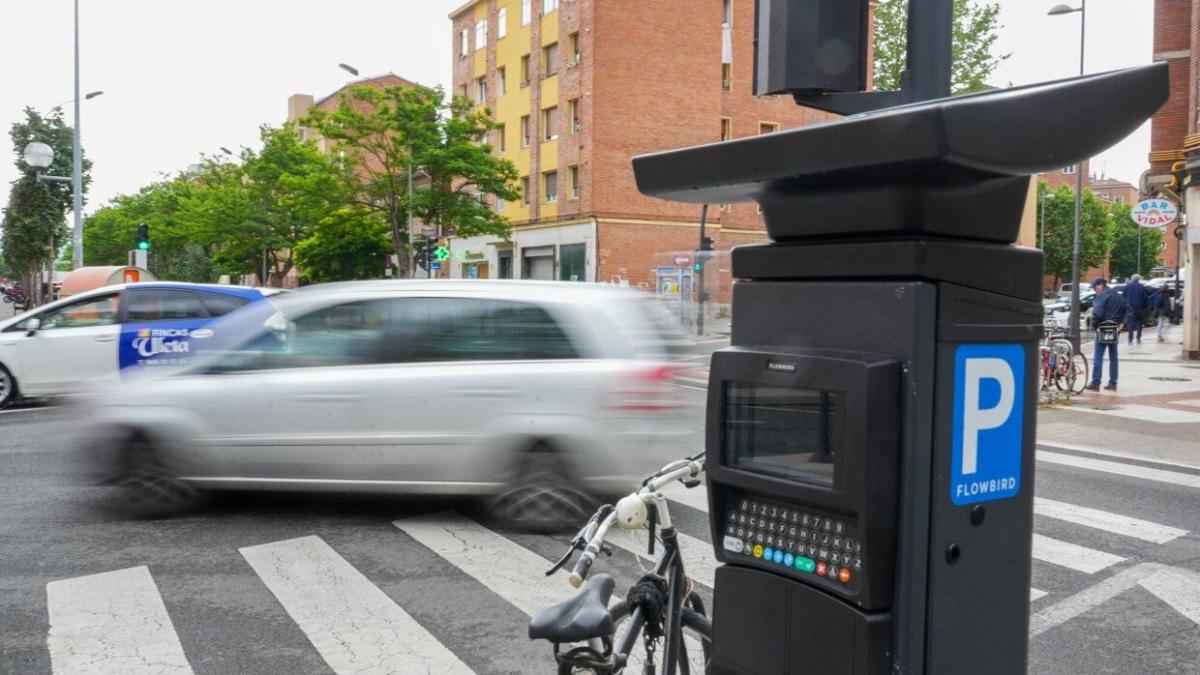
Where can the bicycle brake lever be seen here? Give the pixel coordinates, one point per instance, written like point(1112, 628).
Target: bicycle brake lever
point(565, 559)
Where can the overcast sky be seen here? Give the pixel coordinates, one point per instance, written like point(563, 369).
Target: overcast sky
point(184, 77)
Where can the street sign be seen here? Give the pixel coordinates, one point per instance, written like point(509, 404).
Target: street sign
point(682, 260)
point(986, 457)
point(1154, 213)
point(435, 265)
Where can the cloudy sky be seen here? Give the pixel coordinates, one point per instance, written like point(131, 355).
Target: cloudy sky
point(184, 77)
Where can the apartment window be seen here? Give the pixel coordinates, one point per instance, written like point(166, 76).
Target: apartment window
point(549, 6)
point(573, 42)
point(463, 90)
point(499, 203)
point(481, 89)
point(500, 137)
point(501, 22)
point(526, 12)
point(463, 46)
point(727, 12)
point(727, 76)
point(767, 127)
point(1120, 200)
point(501, 82)
point(525, 189)
point(573, 112)
point(481, 34)
point(574, 182)
point(551, 178)
point(525, 71)
point(726, 129)
point(550, 123)
point(550, 59)
point(525, 131)
point(1069, 169)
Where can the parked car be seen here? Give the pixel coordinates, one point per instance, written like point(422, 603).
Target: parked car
point(1064, 291)
point(537, 395)
point(100, 335)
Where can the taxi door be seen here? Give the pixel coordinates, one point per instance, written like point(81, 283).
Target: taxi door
point(76, 343)
point(160, 328)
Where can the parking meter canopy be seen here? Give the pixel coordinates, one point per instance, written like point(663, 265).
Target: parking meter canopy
point(955, 167)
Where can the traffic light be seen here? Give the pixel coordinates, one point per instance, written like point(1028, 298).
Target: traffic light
point(422, 255)
point(704, 254)
point(143, 237)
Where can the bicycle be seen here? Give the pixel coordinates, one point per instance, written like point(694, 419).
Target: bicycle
point(1062, 367)
point(661, 606)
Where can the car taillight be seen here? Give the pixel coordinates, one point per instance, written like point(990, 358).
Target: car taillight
point(644, 389)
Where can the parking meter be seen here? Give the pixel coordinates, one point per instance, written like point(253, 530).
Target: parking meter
point(871, 428)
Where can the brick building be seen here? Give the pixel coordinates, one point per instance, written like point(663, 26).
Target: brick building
point(579, 87)
point(1175, 140)
point(1064, 176)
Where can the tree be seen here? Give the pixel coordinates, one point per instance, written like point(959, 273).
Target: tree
point(36, 210)
point(1095, 232)
point(351, 243)
point(973, 58)
point(388, 132)
point(1123, 260)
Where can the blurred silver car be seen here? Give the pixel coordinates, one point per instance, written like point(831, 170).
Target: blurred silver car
point(536, 394)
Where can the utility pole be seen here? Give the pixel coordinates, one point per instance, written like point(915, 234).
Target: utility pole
point(77, 160)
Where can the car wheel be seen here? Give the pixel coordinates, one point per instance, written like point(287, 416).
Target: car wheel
point(147, 486)
point(8, 388)
point(542, 497)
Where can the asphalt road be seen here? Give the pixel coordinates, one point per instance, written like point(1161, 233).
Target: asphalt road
point(317, 584)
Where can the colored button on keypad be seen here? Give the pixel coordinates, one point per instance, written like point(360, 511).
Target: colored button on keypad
point(805, 564)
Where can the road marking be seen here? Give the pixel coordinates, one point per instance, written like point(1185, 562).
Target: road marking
point(355, 626)
point(24, 410)
point(1072, 556)
point(1144, 413)
point(1035, 594)
point(112, 622)
point(696, 497)
point(1120, 469)
point(698, 558)
point(1109, 522)
point(1180, 591)
point(510, 570)
point(1115, 453)
point(1088, 598)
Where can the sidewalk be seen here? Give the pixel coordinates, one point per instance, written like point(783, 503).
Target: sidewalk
point(1155, 412)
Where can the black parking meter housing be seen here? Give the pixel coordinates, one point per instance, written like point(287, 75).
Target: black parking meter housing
point(870, 505)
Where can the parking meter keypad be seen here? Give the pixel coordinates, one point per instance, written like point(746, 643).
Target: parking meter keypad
point(800, 540)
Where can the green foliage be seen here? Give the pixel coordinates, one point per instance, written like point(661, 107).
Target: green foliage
point(349, 244)
point(974, 43)
point(1124, 256)
point(387, 131)
point(1096, 230)
point(36, 209)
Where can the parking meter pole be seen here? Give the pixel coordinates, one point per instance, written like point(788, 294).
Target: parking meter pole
point(871, 469)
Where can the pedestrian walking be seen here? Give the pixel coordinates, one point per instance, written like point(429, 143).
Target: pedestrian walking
point(1108, 306)
point(1160, 302)
point(1135, 308)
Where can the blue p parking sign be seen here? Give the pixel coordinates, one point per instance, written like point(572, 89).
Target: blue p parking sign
point(988, 422)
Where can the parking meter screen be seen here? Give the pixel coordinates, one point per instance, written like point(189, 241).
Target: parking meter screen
point(781, 431)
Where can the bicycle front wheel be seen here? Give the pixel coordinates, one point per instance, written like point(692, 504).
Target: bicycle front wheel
point(693, 653)
point(1079, 373)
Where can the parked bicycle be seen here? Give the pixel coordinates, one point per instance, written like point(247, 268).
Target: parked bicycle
point(661, 607)
point(1062, 367)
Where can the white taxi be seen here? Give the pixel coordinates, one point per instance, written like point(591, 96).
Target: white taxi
point(99, 335)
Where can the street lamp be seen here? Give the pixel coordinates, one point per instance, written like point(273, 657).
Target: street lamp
point(1059, 10)
point(349, 69)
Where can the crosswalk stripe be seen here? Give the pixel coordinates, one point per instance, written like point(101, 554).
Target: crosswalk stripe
point(698, 558)
point(508, 569)
point(355, 626)
point(112, 622)
point(1121, 469)
point(696, 497)
point(1180, 591)
point(1072, 556)
point(1109, 522)
point(1036, 593)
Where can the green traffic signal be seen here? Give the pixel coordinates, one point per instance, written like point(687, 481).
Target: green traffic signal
point(143, 246)
point(697, 266)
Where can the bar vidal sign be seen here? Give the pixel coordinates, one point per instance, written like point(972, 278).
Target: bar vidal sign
point(1154, 213)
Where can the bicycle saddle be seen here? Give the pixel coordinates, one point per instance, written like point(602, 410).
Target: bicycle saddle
point(583, 617)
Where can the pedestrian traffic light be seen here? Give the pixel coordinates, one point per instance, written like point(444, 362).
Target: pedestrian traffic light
point(143, 237)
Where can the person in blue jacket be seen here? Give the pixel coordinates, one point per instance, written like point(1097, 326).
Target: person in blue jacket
point(1135, 312)
point(1160, 304)
point(1108, 306)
